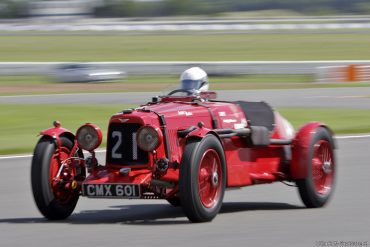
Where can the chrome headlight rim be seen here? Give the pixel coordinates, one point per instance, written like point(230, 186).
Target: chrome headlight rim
point(89, 137)
point(147, 134)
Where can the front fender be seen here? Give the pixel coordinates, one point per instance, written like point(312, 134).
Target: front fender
point(300, 149)
point(56, 132)
point(199, 132)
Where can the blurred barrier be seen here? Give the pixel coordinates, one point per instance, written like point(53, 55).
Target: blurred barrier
point(175, 68)
point(181, 26)
point(344, 73)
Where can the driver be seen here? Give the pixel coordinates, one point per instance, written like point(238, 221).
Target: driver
point(194, 79)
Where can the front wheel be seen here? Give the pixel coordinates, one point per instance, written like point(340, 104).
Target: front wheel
point(52, 198)
point(316, 189)
point(202, 179)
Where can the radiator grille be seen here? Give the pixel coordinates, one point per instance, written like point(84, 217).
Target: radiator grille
point(122, 148)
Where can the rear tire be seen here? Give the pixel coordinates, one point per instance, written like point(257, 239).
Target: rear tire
point(202, 179)
point(53, 202)
point(316, 189)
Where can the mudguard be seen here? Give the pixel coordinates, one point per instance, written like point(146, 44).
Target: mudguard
point(199, 133)
point(300, 149)
point(56, 132)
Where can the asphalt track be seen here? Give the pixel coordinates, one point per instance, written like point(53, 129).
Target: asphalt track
point(352, 98)
point(264, 215)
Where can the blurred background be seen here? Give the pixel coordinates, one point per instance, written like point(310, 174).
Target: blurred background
point(155, 8)
point(86, 48)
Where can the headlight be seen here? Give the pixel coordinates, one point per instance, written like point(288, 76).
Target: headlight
point(148, 138)
point(89, 137)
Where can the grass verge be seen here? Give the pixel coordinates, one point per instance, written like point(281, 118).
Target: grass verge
point(196, 46)
point(341, 121)
point(20, 124)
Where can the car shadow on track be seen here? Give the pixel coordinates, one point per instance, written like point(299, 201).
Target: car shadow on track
point(148, 214)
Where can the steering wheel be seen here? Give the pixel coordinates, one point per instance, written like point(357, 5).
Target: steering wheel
point(188, 92)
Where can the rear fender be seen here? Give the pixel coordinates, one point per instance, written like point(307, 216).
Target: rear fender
point(300, 149)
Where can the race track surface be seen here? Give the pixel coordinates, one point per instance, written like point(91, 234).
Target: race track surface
point(264, 215)
point(356, 97)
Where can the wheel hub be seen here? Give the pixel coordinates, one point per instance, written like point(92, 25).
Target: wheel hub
point(323, 167)
point(214, 179)
point(210, 179)
point(326, 167)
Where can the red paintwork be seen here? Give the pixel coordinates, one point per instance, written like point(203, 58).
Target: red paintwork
point(55, 132)
point(245, 165)
point(200, 132)
point(301, 142)
point(110, 175)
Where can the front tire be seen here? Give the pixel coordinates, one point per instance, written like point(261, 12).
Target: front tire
point(202, 179)
point(53, 201)
point(316, 189)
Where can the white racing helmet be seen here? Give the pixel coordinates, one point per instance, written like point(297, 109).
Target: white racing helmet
point(194, 79)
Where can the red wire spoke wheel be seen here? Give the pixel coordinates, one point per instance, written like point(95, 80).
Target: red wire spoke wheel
point(210, 178)
point(48, 181)
point(316, 189)
point(61, 194)
point(322, 167)
point(202, 178)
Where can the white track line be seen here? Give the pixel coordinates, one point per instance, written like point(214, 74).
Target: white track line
point(15, 157)
point(352, 137)
point(342, 137)
point(30, 155)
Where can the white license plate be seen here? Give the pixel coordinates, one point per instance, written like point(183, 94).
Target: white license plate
point(111, 190)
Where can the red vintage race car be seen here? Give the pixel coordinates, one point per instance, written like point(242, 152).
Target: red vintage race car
point(185, 149)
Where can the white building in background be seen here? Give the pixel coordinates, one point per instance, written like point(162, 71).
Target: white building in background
point(63, 8)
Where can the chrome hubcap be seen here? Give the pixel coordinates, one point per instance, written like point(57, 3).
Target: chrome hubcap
point(214, 179)
point(326, 167)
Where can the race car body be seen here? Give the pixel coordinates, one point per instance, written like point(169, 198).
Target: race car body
point(187, 150)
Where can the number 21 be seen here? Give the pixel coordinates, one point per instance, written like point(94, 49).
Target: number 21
point(115, 153)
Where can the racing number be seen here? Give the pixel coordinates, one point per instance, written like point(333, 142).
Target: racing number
point(115, 153)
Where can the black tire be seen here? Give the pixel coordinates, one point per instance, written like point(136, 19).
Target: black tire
point(190, 196)
point(43, 195)
point(308, 191)
point(174, 201)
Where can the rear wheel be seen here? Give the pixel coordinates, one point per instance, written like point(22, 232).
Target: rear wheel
point(202, 179)
point(316, 189)
point(52, 198)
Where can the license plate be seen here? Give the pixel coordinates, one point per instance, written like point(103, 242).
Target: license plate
point(111, 190)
